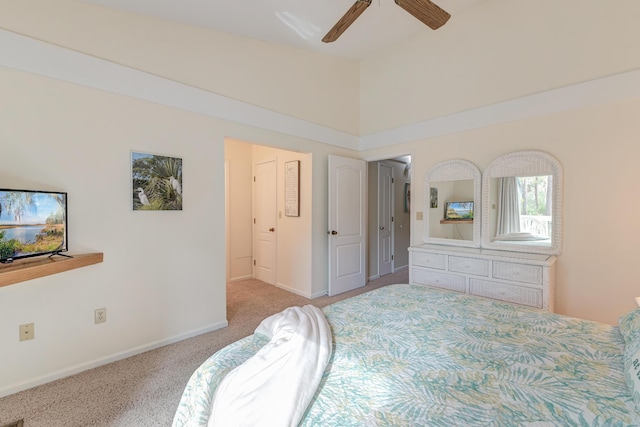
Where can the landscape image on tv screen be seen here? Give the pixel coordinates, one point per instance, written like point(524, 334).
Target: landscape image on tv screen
point(458, 210)
point(32, 223)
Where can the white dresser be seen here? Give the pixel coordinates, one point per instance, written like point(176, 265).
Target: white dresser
point(522, 278)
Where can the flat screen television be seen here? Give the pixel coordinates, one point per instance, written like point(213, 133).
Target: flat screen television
point(458, 210)
point(32, 223)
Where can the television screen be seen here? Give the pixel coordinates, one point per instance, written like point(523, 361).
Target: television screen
point(458, 210)
point(32, 223)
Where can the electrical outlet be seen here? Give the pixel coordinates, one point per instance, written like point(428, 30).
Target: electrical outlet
point(100, 315)
point(27, 331)
point(419, 216)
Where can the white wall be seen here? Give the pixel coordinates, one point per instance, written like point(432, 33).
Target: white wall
point(318, 88)
point(59, 136)
point(496, 51)
point(239, 155)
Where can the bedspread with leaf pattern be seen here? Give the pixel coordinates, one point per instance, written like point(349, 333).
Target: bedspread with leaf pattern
point(409, 355)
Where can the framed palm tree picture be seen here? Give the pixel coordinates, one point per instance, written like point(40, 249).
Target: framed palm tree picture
point(156, 182)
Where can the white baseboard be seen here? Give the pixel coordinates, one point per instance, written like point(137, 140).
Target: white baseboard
point(318, 294)
point(15, 388)
point(238, 279)
point(293, 291)
point(374, 277)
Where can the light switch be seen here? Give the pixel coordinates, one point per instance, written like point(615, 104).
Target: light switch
point(419, 216)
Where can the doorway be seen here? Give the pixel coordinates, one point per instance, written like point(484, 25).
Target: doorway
point(264, 241)
point(389, 209)
point(386, 218)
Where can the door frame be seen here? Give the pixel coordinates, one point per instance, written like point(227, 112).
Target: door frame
point(391, 201)
point(413, 222)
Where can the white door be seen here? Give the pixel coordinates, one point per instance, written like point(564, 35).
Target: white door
point(264, 229)
point(385, 218)
point(347, 224)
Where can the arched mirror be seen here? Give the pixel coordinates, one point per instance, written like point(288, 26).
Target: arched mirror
point(522, 203)
point(452, 204)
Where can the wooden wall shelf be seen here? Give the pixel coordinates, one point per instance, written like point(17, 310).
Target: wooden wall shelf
point(456, 221)
point(31, 268)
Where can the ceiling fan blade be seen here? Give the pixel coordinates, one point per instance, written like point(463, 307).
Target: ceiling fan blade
point(429, 13)
point(352, 14)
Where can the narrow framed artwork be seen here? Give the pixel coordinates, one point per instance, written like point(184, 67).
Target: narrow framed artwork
point(292, 188)
point(156, 182)
point(434, 197)
point(407, 196)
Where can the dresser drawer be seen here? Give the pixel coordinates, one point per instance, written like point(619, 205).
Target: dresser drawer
point(516, 294)
point(477, 267)
point(518, 272)
point(452, 282)
point(425, 259)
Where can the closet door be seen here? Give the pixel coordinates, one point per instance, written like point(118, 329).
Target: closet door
point(265, 217)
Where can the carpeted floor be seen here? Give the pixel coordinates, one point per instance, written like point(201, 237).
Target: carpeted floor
point(144, 390)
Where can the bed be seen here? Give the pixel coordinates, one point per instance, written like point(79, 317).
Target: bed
point(407, 355)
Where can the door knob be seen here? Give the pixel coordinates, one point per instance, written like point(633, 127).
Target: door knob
point(334, 232)
point(382, 227)
point(272, 229)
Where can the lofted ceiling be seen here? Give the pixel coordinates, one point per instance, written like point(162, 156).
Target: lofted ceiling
point(297, 23)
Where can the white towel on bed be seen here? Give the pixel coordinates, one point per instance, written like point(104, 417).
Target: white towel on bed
point(274, 387)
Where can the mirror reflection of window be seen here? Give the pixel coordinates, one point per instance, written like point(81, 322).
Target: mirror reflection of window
point(535, 204)
point(538, 182)
point(524, 208)
point(508, 206)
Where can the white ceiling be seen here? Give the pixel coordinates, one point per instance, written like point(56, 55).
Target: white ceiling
point(298, 23)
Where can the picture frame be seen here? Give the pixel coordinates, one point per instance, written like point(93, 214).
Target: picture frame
point(433, 192)
point(407, 196)
point(292, 188)
point(156, 182)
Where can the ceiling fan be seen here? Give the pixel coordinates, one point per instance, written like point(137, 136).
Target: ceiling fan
point(429, 13)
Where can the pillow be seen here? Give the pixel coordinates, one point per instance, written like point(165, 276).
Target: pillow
point(632, 376)
point(630, 326)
